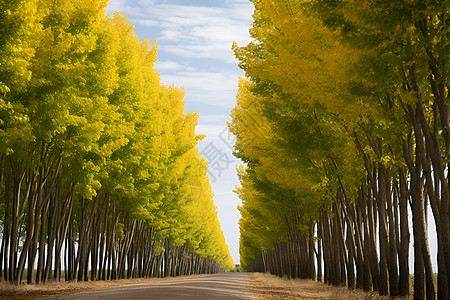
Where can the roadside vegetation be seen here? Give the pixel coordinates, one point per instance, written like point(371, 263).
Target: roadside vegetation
point(266, 286)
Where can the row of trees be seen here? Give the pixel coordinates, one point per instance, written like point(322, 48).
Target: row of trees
point(99, 171)
point(343, 124)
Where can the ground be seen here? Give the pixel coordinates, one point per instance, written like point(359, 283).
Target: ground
point(26, 292)
point(263, 286)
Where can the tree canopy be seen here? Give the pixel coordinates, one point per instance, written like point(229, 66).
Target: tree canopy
point(99, 166)
point(342, 121)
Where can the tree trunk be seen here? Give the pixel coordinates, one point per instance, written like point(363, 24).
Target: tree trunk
point(405, 236)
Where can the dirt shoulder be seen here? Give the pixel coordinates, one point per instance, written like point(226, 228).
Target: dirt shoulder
point(265, 286)
point(26, 292)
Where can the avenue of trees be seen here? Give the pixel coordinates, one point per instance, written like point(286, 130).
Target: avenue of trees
point(343, 124)
point(100, 176)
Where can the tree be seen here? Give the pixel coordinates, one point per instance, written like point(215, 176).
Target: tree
point(97, 158)
point(351, 94)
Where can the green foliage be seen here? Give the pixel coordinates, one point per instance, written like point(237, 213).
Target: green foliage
point(369, 296)
point(326, 99)
point(80, 100)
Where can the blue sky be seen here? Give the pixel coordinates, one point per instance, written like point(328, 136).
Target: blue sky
point(194, 51)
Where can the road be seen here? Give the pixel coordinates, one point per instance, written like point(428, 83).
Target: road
point(217, 286)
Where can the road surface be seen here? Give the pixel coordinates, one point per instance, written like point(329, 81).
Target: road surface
point(217, 286)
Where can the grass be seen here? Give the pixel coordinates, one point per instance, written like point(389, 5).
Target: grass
point(369, 296)
point(266, 286)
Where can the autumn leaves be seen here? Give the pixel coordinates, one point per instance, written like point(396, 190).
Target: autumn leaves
point(353, 101)
point(99, 171)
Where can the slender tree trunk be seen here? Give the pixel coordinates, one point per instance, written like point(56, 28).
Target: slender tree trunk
point(42, 244)
point(383, 243)
point(392, 257)
point(405, 236)
point(29, 229)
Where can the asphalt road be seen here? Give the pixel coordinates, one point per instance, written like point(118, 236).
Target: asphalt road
point(218, 286)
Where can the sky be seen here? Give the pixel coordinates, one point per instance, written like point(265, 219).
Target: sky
point(194, 40)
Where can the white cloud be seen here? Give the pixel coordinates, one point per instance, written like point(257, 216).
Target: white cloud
point(197, 31)
point(149, 23)
point(122, 6)
point(167, 66)
point(212, 132)
point(147, 3)
point(215, 118)
point(213, 88)
point(170, 66)
point(219, 82)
